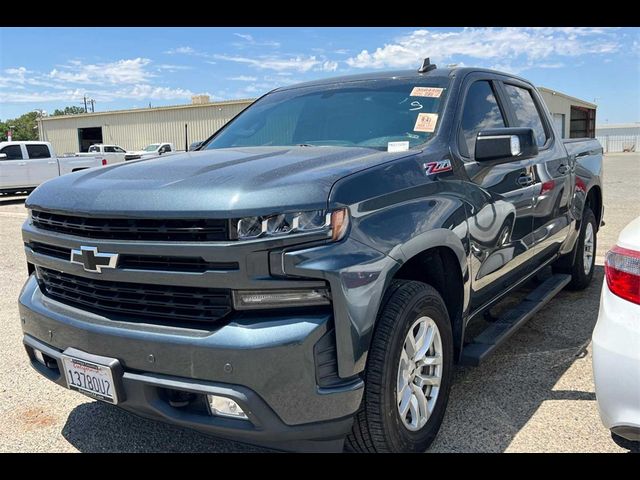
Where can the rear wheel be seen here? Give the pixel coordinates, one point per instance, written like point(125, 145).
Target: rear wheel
point(581, 270)
point(408, 375)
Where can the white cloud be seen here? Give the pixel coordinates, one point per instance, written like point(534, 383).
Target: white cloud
point(180, 50)
point(173, 68)
point(189, 51)
point(246, 37)
point(486, 44)
point(129, 71)
point(243, 78)
point(151, 92)
point(249, 40)
point(329, 66)
point(18, 77)
point(298, 63)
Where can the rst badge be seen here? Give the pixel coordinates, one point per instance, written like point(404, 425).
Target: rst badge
point(432, 168)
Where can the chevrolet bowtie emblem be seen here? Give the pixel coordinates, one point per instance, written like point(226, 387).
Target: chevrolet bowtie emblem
point(92, 261)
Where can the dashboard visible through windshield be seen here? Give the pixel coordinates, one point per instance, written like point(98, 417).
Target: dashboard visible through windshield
point(372, 114)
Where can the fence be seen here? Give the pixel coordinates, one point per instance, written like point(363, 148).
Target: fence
point(619, 143)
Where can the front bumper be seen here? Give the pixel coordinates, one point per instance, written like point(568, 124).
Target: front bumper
point(266, 366)
point(616, 364)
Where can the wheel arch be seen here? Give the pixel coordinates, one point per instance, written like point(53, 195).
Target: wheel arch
point(439, 266)
point(594, 201)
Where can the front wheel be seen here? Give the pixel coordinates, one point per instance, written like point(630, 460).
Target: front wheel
point(408, 374)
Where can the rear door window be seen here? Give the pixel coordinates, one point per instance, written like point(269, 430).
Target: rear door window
point(38, 151)
point(526, 112)
point(13, 152)
point(109, 150)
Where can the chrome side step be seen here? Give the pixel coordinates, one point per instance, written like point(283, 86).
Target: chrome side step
point(505, 326)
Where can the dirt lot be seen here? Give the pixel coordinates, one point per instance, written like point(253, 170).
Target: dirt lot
point(535, 394)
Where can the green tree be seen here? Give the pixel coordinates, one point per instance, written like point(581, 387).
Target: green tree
point(25, 127)
point(72, 110)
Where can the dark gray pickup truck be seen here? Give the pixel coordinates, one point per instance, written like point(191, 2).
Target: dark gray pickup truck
point(309, 277)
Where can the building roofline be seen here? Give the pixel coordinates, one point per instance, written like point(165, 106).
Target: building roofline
point(618, 125)
point(556, 92)
point(153, 109)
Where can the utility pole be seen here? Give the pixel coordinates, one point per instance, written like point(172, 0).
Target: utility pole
point(85, 104)
point(93, 103)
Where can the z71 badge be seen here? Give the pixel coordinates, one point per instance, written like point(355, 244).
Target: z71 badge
point(432, 168)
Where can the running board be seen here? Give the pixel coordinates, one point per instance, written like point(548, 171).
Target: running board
point(505, 326)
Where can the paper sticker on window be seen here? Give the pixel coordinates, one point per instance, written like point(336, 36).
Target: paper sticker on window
point(426, 122)
point(397, 146)
point(431, 92)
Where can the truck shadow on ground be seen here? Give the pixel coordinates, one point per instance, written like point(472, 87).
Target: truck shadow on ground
point(488, 407)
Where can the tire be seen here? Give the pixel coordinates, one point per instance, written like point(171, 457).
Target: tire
point(581, 276)
point(378, 425)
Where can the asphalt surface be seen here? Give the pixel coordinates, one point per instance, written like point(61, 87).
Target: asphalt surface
point(535, 394)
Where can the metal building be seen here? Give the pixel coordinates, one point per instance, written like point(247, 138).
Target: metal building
point(573, 118)
point(135, 129)
point(619, 137)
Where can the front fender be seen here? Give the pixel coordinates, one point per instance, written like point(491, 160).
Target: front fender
point(360, 268)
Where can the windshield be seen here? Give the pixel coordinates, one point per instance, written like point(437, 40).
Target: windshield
point(357, 114)
point(152, 148)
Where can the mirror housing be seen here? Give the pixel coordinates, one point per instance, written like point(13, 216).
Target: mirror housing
point(3, 155)
point(505, 145)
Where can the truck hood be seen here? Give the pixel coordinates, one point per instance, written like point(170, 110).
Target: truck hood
point(219, 183)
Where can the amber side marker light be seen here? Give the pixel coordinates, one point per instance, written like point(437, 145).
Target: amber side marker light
point(339, 223)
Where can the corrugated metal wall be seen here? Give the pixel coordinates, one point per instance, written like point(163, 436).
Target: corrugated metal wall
point(135, 129)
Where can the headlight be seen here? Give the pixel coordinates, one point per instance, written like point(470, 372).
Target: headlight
point(334, 223)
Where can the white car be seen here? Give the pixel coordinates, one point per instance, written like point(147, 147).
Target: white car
point(152, 150)
point(616, 338)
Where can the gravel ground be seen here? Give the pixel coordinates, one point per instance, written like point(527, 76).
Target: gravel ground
point(535, 394)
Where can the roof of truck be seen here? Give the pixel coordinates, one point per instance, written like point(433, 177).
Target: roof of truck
point(395, 74)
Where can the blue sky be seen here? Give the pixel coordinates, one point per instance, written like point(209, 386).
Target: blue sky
point(51, 68)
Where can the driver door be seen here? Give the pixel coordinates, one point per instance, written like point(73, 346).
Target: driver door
point(500, 195)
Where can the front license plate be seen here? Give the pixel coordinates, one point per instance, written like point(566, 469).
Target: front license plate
point(90, 378)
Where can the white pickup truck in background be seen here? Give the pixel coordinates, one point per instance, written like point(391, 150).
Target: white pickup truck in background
point(150, 151)
point(25, 165)
point(112, 153)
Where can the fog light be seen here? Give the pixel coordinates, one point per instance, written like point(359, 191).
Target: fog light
point(251, 299)
point(225, 407)
point(39, 357)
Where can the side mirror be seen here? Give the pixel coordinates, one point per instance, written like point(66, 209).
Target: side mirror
point(3, 156)
point(505, 145)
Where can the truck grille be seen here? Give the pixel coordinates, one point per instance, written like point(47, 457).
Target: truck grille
point(136, 301)
point(171, 230)
point(144, 262)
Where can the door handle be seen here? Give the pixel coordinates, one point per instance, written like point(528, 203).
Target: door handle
point(22, 164)
point(525, 180)
point(51, 163)
point(562, 169)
